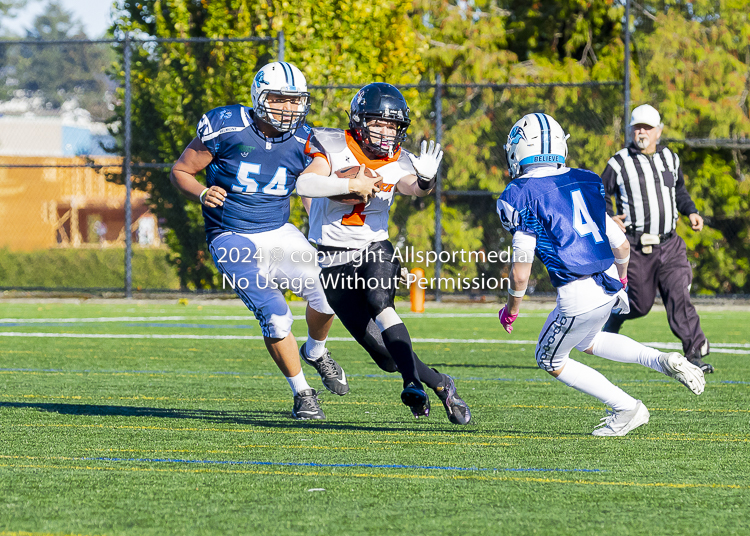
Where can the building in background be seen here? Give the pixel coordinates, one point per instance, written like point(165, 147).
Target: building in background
point(48, 197)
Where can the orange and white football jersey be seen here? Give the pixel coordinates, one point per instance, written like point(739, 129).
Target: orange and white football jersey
point(353, 226)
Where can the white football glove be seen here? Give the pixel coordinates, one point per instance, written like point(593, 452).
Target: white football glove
point(427, 164)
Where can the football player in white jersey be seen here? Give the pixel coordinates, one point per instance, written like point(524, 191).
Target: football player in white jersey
point(253, 158)
point(359, 272)
point(559, 214)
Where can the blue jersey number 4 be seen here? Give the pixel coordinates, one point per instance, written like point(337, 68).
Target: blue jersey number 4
point(583, 223)
point(248, 185)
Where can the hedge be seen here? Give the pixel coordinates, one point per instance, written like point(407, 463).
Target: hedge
point(86, 268)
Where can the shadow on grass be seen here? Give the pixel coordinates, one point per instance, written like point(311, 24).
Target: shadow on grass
point(260, 418)
point(466, 365)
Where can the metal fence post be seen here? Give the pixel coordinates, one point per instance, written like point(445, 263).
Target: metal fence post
point(626, 84)
point(282, 45)
point(438, 183)
point(127, 170)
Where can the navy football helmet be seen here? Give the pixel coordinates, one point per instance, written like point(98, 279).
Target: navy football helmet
point(384, 102)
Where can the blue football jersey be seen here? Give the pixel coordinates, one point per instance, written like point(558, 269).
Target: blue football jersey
point(567, 213)
point(258, 173)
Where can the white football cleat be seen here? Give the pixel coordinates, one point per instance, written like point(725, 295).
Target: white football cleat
point(677, 367)
point(621, 422)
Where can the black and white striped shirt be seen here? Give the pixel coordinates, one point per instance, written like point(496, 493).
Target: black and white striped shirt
point(648, 189)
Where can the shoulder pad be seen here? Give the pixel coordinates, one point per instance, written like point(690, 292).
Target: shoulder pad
point(587, 174)
point(302, 134)
point(220, 120)
point(508, 215)
point(328, 140)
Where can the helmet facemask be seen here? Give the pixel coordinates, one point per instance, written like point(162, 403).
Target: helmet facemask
point(276, 116)
point(379, 143)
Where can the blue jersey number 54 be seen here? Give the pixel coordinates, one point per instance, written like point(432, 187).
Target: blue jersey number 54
point(248, 185)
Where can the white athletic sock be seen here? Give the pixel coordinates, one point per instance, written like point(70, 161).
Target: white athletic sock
point(315, 349)
point(625, 350)
point(298, 383)
point(589, 381)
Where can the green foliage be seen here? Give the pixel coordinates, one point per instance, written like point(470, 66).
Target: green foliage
point(85, 268)
point(694, 66)
point(691, 60)
point(176, 83)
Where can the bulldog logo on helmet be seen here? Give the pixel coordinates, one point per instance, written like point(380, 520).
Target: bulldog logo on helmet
point(260, 79)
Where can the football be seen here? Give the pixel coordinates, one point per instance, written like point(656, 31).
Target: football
point(350, 173)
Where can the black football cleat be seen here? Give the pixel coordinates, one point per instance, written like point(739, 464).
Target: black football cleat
point(415, 397)
point(306, 406)
point(457, 410)
point(707, 368)
point(333, 376)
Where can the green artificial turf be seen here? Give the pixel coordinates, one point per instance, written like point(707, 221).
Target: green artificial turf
point(194, 436)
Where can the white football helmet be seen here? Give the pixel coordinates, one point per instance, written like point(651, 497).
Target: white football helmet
point(285, 80)
point(535, 139)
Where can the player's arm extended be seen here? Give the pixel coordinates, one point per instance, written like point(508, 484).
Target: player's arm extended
point(316, 181)
point(408, 186)
point(620, 249)
point(194, 159)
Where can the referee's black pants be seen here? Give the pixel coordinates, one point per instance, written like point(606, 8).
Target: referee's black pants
point(667, 269)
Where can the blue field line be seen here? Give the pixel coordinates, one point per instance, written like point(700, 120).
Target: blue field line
point(367, 465)
point(144, 324)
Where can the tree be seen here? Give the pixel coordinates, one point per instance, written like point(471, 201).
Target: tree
point(175, 83)
point(694, 66)
point(506, 42)
point(60, 73)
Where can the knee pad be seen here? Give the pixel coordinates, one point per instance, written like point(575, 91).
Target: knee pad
point(386, 318)
point(275, 326)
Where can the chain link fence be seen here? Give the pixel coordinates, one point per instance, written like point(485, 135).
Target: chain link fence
point(61, 140)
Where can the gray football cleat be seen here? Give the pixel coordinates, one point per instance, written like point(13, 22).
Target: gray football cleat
point(620, 423)
point(306, 406)
point(333, 376)
point(677, 367)
point(457, 410)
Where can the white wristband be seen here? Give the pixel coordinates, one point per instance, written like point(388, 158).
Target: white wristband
point(200, 197)
point(622, 261)
point(314, 185)
point(516, 293)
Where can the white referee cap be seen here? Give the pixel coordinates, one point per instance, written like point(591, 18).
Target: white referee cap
point(645, 114)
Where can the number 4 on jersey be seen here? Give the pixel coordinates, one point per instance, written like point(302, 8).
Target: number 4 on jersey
point(583, 223)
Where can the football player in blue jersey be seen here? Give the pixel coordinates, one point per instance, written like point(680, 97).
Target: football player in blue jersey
point(253, 158)
point(559, 214)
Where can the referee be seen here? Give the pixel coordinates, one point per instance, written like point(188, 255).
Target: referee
point(649, 188)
